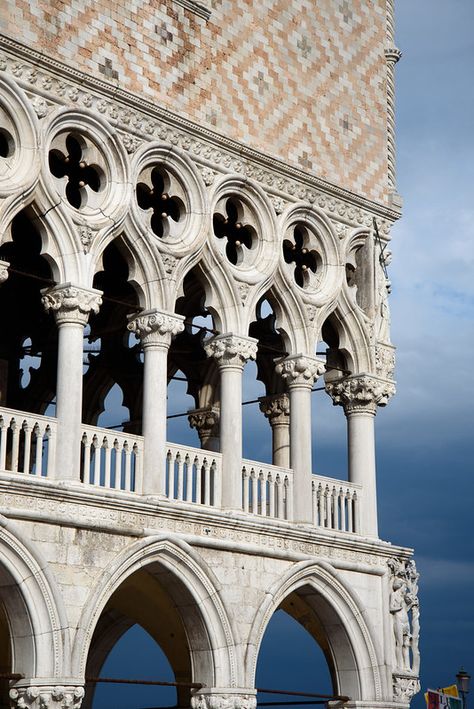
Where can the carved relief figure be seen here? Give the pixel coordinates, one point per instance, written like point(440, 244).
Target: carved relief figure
point(382, 291)
point(404, 609)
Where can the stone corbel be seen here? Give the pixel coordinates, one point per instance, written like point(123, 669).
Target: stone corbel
point(156, 327)
point(49, 697)
point(361, 392)
point(405, 687)
point(71, 304)
point(231, 350)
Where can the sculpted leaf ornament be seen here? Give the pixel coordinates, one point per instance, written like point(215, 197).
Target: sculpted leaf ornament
point(300, 370)
point(231, 349)
point(155, 327)
point(71, 303)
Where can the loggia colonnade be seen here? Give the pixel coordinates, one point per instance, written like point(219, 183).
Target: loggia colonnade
point(202, 223)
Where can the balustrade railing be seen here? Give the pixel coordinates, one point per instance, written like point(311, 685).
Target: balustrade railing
point(27, 443)
point(111, 459)
point(193, 475)
point(267, 490)
point(335, 504)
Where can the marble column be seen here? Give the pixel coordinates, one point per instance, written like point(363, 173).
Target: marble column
point(71, 306)
point(46, 696)
point(231, 352)
point(277, 410)
point(155, 330)
point(360, 395)
point(300, 373)
point(206, 422)
point(3, 362)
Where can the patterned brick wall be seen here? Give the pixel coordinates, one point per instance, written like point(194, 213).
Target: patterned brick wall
point(304, 80)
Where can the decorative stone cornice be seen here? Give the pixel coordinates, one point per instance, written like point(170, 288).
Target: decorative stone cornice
point(405, 687)
point(156, 327)
point(3, 271)
point(300, 370)
point(223, 700)
point(362, 392)
point(276, 408)
point(58, 697)
point(231, 350)
point(71, 304)
point(147, 120)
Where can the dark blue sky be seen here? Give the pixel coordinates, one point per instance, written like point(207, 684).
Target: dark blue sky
point(425, 461)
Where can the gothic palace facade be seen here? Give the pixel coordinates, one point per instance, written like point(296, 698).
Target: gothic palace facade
point(163, 164)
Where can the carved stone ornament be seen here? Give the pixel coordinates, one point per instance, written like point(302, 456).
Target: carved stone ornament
point(404, 688)
point(3, 271)
point(155, 327)
point(362, 392)
point(231, 350)
point(405, 614)
point(205, 421)
point(223, 701)
point(276, 408)
point(130, 142)
point(208, 175)
point(46, 697)
point(71, 304)
point(385, 360)
point(85, 235)
point(299, 370)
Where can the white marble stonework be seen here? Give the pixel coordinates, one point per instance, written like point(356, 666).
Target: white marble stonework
point(141, 225)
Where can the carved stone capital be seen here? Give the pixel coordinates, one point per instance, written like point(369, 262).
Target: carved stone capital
point(392, 55)
point(58, 697)
point(156, 327)
point(3, 271)
point(231, 350)
point(361, 392)
point(276, 408)
point(71, 304)
point(205, 421)
point(405, 687)
point(299, 370)
point(224, 700)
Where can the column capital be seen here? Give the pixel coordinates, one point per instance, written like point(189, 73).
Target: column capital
point(361, 393)
point(300, 370)
point(3, 271)
point(224, 699)
point(205, 421)
point(46, 697)
point(70, 303)
point(156, 327)
point(231, 350)
point(276, 408)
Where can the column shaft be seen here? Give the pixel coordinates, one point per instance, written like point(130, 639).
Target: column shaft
point(300, 451)
point(154, 422)
point(362, 469)
point(231, 435)
point(281, 444)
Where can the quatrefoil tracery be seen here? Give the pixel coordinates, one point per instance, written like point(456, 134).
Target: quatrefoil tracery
point(228, 223)
point(298, 252)
point(158, 190)
point(72, 157)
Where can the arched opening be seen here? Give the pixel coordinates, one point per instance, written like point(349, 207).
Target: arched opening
point(28, 355)
point(5, 658)
point(154, 598)
point(111, 356)
point(290, 657)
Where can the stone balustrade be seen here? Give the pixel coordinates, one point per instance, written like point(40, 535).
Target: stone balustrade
point(113, 460)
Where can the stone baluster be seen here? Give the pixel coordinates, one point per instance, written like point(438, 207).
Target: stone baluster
point(71, 306)
point(46, 697)
point(360, 395)
point(277, 410)
point(300, 373)
point(206, 422)
point(155, 330)
point(231, 352)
